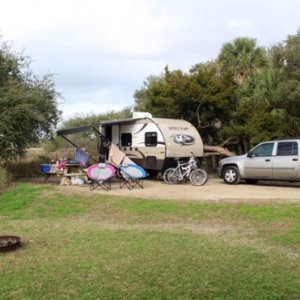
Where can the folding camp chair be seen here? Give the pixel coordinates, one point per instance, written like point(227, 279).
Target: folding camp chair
point(100, 176)
point(132, 176)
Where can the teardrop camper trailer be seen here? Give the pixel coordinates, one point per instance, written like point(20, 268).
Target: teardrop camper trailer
point(153, 143)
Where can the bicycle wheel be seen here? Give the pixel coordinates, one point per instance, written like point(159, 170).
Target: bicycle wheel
point(166, 175)
point(173, 176)
point(198, 177)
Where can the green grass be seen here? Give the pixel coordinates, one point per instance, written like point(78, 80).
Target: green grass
point(33, 201)
point(148, 211)
point(98, 246)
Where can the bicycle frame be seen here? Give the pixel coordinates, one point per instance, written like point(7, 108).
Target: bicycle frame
point(184, 169)
point(188, 169)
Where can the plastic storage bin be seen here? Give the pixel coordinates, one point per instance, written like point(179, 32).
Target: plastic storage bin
point(45, 168)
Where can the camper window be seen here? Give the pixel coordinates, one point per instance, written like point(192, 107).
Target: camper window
point(151, 139)
point(126, 139)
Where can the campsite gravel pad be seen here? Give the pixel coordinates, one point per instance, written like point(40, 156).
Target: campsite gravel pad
point(9, 243)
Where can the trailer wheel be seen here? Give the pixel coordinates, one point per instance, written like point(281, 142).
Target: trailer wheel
point(152, 173)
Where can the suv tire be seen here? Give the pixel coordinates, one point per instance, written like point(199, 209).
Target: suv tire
point(231, 175)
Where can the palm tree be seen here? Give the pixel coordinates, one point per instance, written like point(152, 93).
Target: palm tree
point(268, 92)
point(241, 57)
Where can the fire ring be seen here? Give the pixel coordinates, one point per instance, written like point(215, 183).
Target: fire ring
point(9, 243)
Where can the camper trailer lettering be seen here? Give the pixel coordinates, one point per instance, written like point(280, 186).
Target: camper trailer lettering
point(178, 128)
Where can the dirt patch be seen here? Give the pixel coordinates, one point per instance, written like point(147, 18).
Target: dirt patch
point(213, 190)
point(236, 234)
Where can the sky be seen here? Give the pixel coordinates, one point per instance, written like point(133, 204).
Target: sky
point(100, 52)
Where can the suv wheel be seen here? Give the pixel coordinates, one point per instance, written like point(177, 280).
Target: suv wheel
point(231, 175)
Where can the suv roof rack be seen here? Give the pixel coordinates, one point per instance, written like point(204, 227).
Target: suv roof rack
point(286, 138)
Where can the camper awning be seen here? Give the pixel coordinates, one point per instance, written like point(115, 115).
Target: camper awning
point(79, 153)
point(120, 121)
point(94, 126)
point(76, 130)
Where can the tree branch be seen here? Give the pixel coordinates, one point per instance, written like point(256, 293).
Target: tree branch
point(198, 116)
point(232, 138)
point(218, 150)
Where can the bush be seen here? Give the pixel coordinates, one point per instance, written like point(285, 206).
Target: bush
point(26, 168)
point(5, 178)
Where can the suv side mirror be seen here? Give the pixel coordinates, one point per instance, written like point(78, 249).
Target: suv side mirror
point(250, 154)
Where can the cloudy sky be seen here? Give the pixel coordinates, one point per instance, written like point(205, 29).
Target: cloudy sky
point(102, 51)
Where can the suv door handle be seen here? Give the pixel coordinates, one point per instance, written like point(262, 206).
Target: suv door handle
point(295, 159)
point(268, 160)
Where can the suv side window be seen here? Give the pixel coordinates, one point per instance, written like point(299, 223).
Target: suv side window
point(287, 148)
point(263, 150)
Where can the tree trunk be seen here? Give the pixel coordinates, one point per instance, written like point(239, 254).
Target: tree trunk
point(217, 150)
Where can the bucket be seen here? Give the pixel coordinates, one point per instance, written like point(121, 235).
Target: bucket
point(45, 168)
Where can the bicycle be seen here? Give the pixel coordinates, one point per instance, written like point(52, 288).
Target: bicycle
point(186, 170)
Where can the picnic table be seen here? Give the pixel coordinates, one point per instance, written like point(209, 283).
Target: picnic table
point(64, 170)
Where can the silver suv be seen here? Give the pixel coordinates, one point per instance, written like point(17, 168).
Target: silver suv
point(273, 160)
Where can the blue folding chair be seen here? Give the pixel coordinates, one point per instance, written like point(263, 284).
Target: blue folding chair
point(132, 175)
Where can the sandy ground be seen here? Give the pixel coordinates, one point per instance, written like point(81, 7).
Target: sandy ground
point(215, 190)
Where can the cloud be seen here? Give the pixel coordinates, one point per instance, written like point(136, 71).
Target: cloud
point(240, 24)
point(102, 51)
point(89, 101)
point(241, 27)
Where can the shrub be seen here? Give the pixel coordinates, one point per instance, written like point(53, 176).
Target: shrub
point(26, 168)
point(5, 178)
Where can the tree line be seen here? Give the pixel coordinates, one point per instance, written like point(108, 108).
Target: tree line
point(246, 95)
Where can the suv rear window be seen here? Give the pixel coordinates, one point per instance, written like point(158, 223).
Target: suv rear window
point(287, 148)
